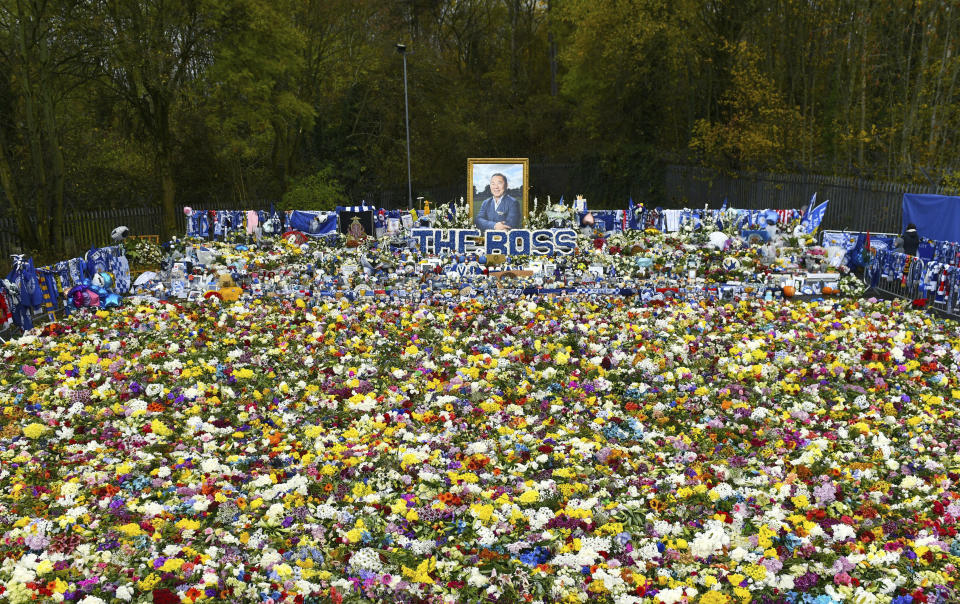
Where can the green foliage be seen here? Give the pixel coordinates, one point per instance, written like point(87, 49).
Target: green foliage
point(317, 191)
point(951, 183)
point(757, 130)
point(186, 102)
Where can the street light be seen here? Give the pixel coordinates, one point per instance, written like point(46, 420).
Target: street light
point(402, 49)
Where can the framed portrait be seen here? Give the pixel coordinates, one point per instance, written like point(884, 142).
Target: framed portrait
point(497, 192)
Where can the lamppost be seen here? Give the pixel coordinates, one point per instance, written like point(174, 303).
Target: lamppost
point(402, 49)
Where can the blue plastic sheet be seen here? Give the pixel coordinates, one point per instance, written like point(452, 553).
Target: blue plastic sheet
point(937, 216)
point(313, 224)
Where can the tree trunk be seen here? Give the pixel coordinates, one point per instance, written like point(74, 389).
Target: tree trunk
point(25, 228)
point(285, 142)
point(918, 91)
point(57, 172)
point(863, 97)
point(168, 192)
point(935, 105)
point(552, 44)
point(34, 139)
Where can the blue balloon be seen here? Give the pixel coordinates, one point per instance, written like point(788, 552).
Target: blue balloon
point(110, 301)
point(99, 291)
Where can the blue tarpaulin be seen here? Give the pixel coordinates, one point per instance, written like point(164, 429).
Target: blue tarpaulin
point(314, 224)
point(936, 216)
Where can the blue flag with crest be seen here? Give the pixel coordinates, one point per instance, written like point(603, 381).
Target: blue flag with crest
point(814, 217)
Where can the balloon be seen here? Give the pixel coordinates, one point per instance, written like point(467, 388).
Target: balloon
point(73, 295)
point(104, 280)
point(98, 290)
point(77, 297)
point(111, 301)
point(187, 211)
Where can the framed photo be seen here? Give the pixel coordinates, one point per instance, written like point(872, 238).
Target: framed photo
point(365, 218)
point(497, 192)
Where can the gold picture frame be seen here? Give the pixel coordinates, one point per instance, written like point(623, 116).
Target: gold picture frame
point(480, 172)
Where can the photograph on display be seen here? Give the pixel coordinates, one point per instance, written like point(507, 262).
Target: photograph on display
point(497, 192)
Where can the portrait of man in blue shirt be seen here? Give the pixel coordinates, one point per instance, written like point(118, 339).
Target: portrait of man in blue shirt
point(500, 211)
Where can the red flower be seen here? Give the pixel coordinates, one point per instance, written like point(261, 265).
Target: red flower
point(165, 596)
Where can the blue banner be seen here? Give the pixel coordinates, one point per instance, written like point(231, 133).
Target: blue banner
point(936, 217)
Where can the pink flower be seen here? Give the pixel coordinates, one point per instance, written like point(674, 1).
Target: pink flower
point(30, 370)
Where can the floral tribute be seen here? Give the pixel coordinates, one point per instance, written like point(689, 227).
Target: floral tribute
point(557, 450)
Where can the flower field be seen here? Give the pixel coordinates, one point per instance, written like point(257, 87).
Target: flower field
point(555, 450)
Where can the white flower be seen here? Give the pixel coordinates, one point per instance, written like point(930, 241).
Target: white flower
point(710, 541)
point(476, 578)
point(125, 592)
point(366, 559)
point(842, 532)
point(670, 596)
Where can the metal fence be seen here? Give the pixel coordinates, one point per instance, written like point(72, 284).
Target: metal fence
point(81, 230)
point(910, 288)
point(855, 204)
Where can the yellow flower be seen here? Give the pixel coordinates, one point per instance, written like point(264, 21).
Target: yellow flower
point(421, 575)
point(131, 530)
point(34, 430)
point(757, 572)
point(188, 524)
point(482, 511)
point(172, 565)
point(150, 581)
point(159, 428)
point(530, 496)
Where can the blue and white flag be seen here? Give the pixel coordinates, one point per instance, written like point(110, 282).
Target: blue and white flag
point(808, 209)
point(814, 217)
